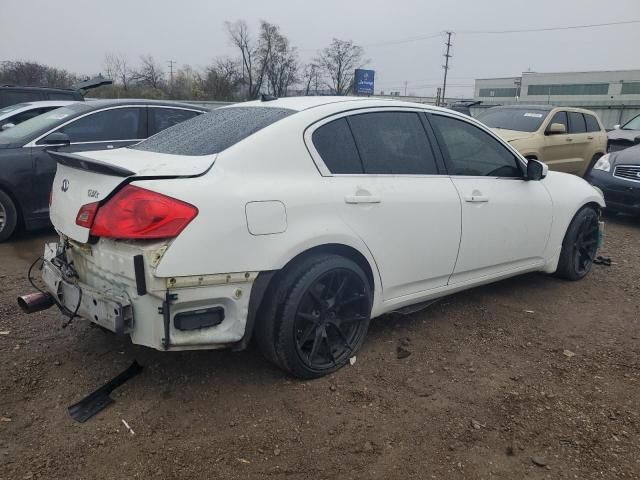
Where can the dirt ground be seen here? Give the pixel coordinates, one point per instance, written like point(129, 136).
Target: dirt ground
point(532, 377)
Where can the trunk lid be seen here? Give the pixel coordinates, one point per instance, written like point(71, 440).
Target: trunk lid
point(93, 176)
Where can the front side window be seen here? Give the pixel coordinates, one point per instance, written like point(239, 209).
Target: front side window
point(561, 118)
point(162, 118)
point(108, 125)
point(576, 123)
point(472, 151)
point(336, 147)
point(393, 143)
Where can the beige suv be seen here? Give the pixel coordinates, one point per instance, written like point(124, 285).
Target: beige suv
point(566, 139)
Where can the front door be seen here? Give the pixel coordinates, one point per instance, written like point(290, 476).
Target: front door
point(384, 173)
point(506, 219)
point(104, 129)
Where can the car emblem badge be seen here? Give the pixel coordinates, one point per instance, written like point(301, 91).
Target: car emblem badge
point(65, 185)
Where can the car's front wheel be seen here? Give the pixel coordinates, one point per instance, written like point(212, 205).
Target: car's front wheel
point(8, 216)
point(322, 319)
point(580, 245)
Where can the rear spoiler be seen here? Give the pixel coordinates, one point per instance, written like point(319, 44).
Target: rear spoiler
point(83, 163)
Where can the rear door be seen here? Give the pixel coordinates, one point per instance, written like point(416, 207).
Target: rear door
point(505, 219)
point(383, 170)
point(104, 129)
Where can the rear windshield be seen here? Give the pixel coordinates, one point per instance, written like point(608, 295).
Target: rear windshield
point(213, 132)
point(519, 119)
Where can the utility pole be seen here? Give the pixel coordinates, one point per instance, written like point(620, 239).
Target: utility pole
point(447, 56)
point(405, 87)
point(171, 62)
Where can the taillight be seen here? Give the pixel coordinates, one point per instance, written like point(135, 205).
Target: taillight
point(86, 214)
point(137, 213)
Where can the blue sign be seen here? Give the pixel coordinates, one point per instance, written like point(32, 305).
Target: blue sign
point(363, 83)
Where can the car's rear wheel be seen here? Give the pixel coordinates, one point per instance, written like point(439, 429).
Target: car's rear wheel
point(323, 318)
point(8, 216)
point(580, 245)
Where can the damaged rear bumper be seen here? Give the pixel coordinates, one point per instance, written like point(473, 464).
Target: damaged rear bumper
point(181, 313)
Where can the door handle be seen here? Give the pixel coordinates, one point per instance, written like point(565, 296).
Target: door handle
point(476, 199)
point(362, 197)
point(568, 139)
point(589, 138)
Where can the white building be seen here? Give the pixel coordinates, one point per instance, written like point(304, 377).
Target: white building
point(614, 95)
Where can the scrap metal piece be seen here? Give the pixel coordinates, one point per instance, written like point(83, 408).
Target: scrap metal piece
point(100, 399)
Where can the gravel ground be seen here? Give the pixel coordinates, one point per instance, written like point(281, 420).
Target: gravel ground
point(532, 377)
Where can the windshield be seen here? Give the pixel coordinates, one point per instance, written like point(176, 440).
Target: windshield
point(32, 127)
point(518, 119)
point(633, 124)
point(213, 132)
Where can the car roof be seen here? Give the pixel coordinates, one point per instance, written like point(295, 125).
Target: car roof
point(349, 102)
point(520, 106)
point(33, 87)
point(95, 104)
point(48, 103)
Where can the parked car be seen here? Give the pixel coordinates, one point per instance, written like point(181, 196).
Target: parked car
point(12, 94)
point(617, 174)
point(624, 136)
point(567, 139)
point(28, 169)
point(14, 114)
point(295, 221)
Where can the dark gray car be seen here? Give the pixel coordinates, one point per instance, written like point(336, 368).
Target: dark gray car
point(27, 169)
point(624, 136)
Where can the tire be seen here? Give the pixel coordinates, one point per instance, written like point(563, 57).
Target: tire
point(8, 216)
point(317, 317)
point(579, 246)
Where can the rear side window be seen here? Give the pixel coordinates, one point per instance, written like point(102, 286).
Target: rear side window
point(335, 144)
point(576, 122)
point(213, 132)
point(108, 125)
point(472, 151)
point(393, 143)
point(561, 118)
point(592, 123)
point(161, 118)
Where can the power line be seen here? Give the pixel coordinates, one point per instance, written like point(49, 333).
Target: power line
point(545, 29)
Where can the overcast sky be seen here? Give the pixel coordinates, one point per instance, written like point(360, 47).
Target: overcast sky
point(75, 34)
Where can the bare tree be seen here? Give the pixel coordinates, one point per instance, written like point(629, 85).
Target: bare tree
point(311, 79)
point(149, 74)
point(222, 79)
point(279, 58)
point(338, 62)
point(117, 69)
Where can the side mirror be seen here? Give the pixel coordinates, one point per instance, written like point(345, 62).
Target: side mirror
point(616, 127)
point(56, 139)
point(536, 170)
point(557, 129)
point(8, 125)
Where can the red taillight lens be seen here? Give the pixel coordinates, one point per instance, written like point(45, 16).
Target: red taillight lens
point(135, 212)
point(86, 214)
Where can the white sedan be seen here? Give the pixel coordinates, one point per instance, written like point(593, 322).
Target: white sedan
point(15, 114)
point(295, 221)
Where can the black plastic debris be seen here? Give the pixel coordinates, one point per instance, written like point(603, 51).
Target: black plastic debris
point(599, 260)
point(100, 399)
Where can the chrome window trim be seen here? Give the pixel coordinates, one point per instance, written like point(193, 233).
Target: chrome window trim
point(34, 143)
